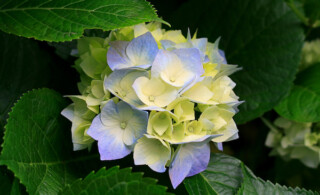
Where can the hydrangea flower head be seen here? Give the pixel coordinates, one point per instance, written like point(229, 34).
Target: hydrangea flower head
point(293, 140)
point(176, 97)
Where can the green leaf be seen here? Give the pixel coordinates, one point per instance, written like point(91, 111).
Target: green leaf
point(223, 176)
point(263, 37)
point(16, 188)
point(64, 20)
point(115, 181)
point(256, 186)
point(227, 175)
point(37, 146)
point(312, 10)
point(9, 184)
point(23, 66)
point(303, 102)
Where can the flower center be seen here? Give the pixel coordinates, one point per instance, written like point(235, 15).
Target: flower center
point(123, 125)
point(190, 129)
point(151, 98)
point(172, 80)
point(162, 116)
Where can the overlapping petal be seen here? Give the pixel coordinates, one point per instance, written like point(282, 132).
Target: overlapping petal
point(153, 152)
point(213, 91)
point(190, 159)
point(178, 67)
point(117, 129)
point(120, 82)
point(81, 117)
point(140, 52)
point(154, 91)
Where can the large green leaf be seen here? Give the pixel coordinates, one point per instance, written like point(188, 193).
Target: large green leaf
point(227, 175)
point(62, 20)
point(37, 145)
point(23, 67)
point(303, 102)
point(223, 176)
point(263, 37)
point(115, 181)
point(255, 186)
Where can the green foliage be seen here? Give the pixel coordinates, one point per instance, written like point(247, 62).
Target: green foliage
point(303, 102)
point(37, 147)
point(23, 67)
point(228, 175)
point(63, 20)
point(8, 184)
point(307, 10)
point(115, 181)
point(254, 35)
point(223, 176)
point(255, 186)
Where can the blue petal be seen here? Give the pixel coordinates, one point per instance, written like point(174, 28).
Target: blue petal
point(116, 56)
point(110, 144)
point(191, 159)
point(167, 44)
point(142, 50)
point(191, 58)
point(119, 83)
point(137, 126)
point(221, 52)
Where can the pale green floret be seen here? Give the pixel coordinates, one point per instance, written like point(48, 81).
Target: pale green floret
point(153, 152)
point(218, 120)
point(120, 84)
point(310, 54)
point(91, 65)
point(81, 118)
point(160, 124)
point(94, 95)
point(92, 52)
point(128, 33)
point(213, 91)
point(293, 140)
point(166, 126)
point(154, 91)
point(217, 70)
point(183, 109)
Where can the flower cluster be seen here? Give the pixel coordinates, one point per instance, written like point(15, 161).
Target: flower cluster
point(293, 140)
point(156, 93)
point(310, 54)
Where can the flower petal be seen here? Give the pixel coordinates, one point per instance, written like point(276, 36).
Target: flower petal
point(137, 126)
point(190, 159)
point(142, 50)
point(229, 132)
point(191, 59)
point(152, 152)
point(154, 92)
point(119, 83)
point(68, 112)
point(199, 93)
point(116, 56)
point(177, 68)
point(110, 144)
